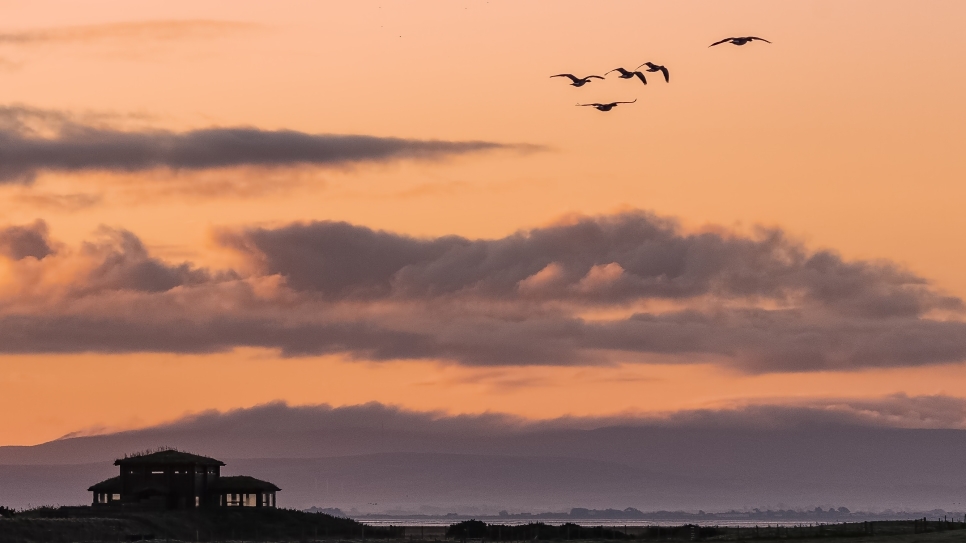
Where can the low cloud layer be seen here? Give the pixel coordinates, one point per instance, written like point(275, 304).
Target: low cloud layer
point(287, 431)
point(803, 455)
point(66, 145)
point(894, 411)
point(620, 288)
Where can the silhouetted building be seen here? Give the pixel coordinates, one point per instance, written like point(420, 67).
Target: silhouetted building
point(172, 479)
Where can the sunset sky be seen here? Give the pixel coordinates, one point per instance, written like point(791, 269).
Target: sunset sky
point(219, 204)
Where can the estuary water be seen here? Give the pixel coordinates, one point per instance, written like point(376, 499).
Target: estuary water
point(610, 523)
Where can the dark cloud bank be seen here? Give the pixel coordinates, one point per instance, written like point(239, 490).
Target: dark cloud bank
point(601, 260)
point(760, 303)
point(842, 452)
point(34, 141)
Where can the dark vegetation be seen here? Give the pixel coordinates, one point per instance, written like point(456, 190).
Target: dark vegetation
point(70, 524)
point(84, 524)
point(615, 517)
point(476, 529)
point(867, 531)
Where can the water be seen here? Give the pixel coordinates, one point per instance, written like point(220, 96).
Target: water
point(610, 523)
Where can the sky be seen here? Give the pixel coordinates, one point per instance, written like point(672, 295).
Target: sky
point(217, 205)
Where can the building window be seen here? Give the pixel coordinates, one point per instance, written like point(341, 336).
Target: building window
point(197, 501)
point(115, 497)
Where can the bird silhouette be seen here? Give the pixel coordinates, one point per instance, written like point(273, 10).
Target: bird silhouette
point(578, 81)
point(607, 107)
point(739, 41)
point(651, 67)
point(627, 74)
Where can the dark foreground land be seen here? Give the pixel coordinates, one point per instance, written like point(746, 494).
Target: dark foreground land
point(82, 524)
point(885, 531)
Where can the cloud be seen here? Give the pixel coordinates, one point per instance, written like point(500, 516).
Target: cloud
point(373, 415)
point(59, 202)
point(898, 410)
point(283, 422)
point(192, 320)
point(892, 411)
point(598, 260)
point(134, 30)
point(714, 459)
point(34, 141)
point(123, 263)
point(596, 290)
point(20, 242)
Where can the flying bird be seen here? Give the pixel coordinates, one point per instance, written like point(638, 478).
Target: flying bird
point(627, 74)
point(606, 107)
point(578, 81)
point(651, 67)
point(739, 41)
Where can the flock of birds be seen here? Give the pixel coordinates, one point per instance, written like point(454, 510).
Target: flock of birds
point(636, 72)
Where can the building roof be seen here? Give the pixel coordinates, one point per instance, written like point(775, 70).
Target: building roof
point(242, 483)
point(168, 456)
point(109, 486)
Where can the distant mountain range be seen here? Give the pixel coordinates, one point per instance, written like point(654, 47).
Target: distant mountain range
point(380, 459)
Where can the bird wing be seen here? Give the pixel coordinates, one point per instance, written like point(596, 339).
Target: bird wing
point(720, 42)
point(592, 105)
point(590, 76)
point(667, 75)
point(571, 76)
point(757, 38)
point(645, 64)
point(614, 70)
point(641, 77)
point(631, 102)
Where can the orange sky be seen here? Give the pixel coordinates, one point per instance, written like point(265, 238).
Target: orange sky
point(845, 132)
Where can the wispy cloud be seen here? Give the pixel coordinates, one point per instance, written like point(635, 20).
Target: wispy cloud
point(58, 202)
point(34, 141)
point(132, 30)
